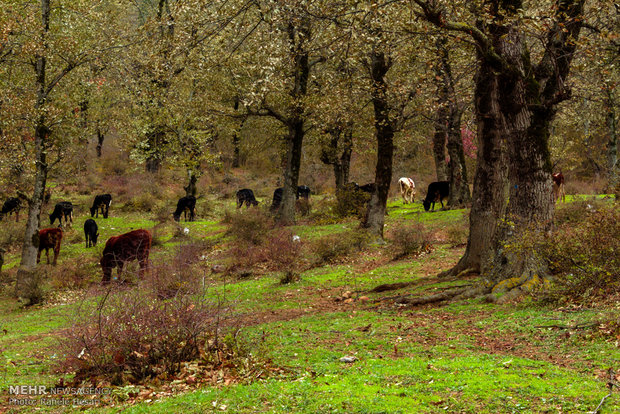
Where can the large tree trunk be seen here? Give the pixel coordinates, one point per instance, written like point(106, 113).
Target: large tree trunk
point(384, 130)
point(490, 192)
point(297, 38)
point(28, 283)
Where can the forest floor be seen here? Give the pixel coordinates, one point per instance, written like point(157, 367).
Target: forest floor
point(461, 357)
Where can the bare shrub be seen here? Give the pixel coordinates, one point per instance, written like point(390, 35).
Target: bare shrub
point(73, 274)
point(410, 240)
point(583, 256)
point(335, 246)
point(12, 233)
point(248, 225)
point(132, 335)
point(351, 202)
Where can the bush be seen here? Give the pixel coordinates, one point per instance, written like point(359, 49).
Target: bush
point(132, 335)
point(334, 246)
point(73, 274)
point(584, 257)
point(350, 202)
point(248, 225)
point(458, 232)
point(410, 240)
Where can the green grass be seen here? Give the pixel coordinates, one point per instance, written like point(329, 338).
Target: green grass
point(469, 356)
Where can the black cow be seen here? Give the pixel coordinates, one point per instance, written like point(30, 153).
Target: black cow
point(91, 232)
point(246, 196)
point(10, 206)
point(303, 191)
point(368, 188)
point(62, 209)
point(102, 202)
point(437, 191)
point(185, 205)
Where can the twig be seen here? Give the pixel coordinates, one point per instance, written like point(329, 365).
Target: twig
point(611, 384)
point(578, 326)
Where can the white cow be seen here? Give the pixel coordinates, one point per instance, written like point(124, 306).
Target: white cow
point(407, 189)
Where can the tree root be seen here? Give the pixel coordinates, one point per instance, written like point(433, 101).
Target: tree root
point(438, 297)
point(390, 286)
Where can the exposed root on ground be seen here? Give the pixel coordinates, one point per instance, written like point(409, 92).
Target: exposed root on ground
point(390, 286)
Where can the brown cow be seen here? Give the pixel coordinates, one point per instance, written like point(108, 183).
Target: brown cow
point(558, 186)
point(118, 250)
point(49, 239)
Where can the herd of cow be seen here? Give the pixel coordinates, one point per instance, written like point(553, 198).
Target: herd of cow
point(136, 244)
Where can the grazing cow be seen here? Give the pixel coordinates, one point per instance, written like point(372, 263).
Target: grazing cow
point(62, 209)
point(10, 206)
point(368, 188)
point(407, 189)
point(558, 186)
point(303, 191)
point(185, 205)
point(437, 191)
point(91, 232)
point(246, 196)
point(49, 239)
point(119, 250)
point(102, 202)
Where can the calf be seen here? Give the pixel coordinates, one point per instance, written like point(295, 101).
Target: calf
point(90, 233)
point(10, 206)
point(102, 202)
point(407, 189)
point(303, 191)
point(62, 209)
point(185, 205)
point(119, 250)
point(246, 196)
point(437, 191)
point(49, 239)
point(558, 186)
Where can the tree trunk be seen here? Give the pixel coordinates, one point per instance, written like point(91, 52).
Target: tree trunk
point(155, 155)
point(448, 127)
point(236, 161)
point(459, 183)
point(612, 144)
point(100, 139)
point(190, 188)
point(298, 35)
point(439, 141)
point(490, 192)
point(341, 142)
point(384, 130)
point(28, 282)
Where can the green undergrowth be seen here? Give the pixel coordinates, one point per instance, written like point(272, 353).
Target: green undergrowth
point(465, 357)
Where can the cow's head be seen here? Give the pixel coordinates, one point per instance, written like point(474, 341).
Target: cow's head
point(176, 216)
point(254, 203)
point(107, 265)
point(427, 204)
point(93, 210)
point(94, 238)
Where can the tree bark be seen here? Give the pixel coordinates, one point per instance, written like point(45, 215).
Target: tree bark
point(384, 130)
